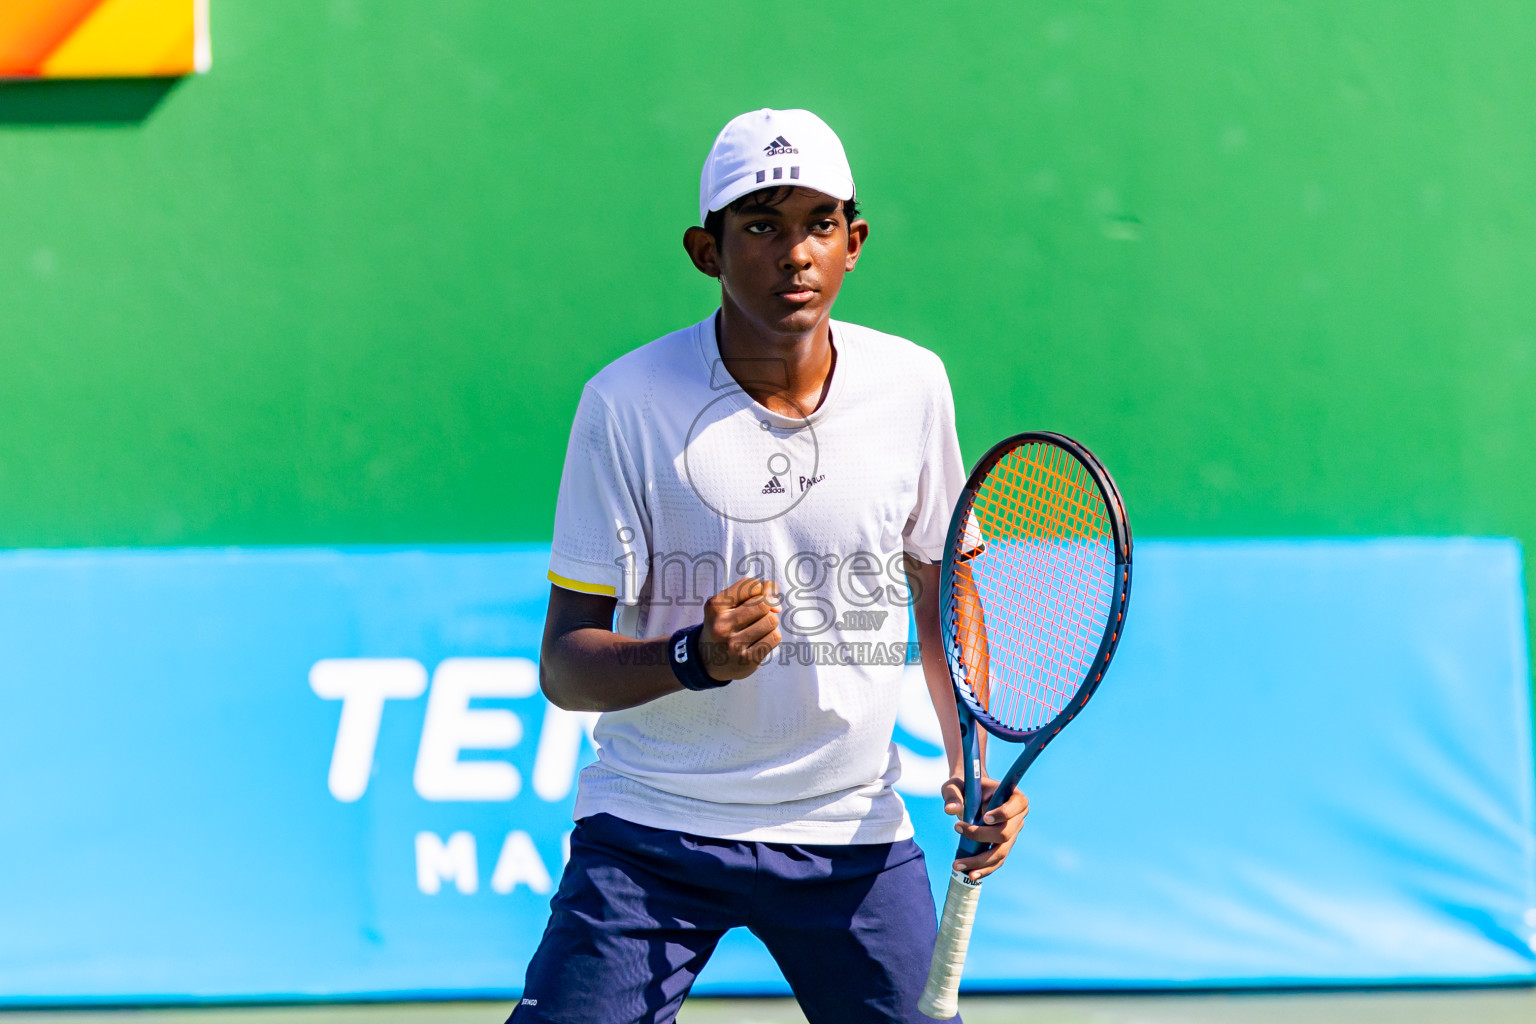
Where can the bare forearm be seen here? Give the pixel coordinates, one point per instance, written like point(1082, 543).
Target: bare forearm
point(594, 669)
point(585, 666)
point(940, 691)
point(924, 580)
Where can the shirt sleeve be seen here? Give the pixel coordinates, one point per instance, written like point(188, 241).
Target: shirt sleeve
point(602, 530)
point(940, 479)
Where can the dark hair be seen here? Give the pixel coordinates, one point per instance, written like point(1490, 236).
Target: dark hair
point(773, 195)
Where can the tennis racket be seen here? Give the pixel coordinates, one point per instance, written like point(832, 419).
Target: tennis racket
point(1033, 592)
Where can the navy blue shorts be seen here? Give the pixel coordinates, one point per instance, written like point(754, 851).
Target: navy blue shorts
point(640, 910)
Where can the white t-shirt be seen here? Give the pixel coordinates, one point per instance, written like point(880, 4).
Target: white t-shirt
point(676, 484)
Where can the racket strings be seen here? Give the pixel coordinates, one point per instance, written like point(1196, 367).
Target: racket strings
point(1042, 584)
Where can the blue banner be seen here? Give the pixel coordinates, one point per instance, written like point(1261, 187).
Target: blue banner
point(320, 773)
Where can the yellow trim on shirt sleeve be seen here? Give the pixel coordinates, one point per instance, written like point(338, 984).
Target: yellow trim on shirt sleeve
point(580, 587)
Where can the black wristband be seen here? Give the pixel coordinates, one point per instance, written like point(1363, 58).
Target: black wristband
point(688, 663)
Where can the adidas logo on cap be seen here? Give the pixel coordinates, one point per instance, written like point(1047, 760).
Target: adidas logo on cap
point(754, 151)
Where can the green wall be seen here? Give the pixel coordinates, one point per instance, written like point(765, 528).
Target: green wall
point(1276, 262)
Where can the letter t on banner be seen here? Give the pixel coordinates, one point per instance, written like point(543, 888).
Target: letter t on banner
point(362, 685)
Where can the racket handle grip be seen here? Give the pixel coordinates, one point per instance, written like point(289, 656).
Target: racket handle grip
point(941, 995)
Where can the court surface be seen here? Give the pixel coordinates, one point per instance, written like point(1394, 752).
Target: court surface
point(1483, 1006)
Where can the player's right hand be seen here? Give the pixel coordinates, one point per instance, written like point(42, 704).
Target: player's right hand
point(741, 628)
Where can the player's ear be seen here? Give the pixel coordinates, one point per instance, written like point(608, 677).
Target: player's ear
point(858, 233)
point(702, 250)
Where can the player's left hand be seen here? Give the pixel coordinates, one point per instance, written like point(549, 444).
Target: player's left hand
point(1000, 827)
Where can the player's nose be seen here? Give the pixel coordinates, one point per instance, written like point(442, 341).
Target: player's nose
point(799, 255)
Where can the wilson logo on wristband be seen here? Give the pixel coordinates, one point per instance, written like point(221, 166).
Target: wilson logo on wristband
point(688, 663)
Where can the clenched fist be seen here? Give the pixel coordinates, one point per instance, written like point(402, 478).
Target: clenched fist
point(741, 628)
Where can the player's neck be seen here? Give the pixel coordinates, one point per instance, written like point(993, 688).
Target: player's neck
point(789, 374)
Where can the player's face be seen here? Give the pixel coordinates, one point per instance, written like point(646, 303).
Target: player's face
point(782, 265)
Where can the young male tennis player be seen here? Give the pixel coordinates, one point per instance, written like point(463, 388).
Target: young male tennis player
point(760, 496)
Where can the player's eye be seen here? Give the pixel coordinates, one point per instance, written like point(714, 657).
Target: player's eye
point(759, 227)
point(826, 226)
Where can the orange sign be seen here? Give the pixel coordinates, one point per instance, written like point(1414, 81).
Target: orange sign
point(102, 38)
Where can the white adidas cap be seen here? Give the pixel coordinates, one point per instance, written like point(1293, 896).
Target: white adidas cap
point(773, 147)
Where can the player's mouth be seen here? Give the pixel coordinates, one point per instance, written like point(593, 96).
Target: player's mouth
point(797, 293)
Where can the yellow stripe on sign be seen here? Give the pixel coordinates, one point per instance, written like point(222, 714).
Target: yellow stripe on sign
point(177, 59)
point(128, 37)
point(584, 588)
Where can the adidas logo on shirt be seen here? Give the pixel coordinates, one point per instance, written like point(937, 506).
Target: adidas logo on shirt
point(773, 487)
point(779, 147)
